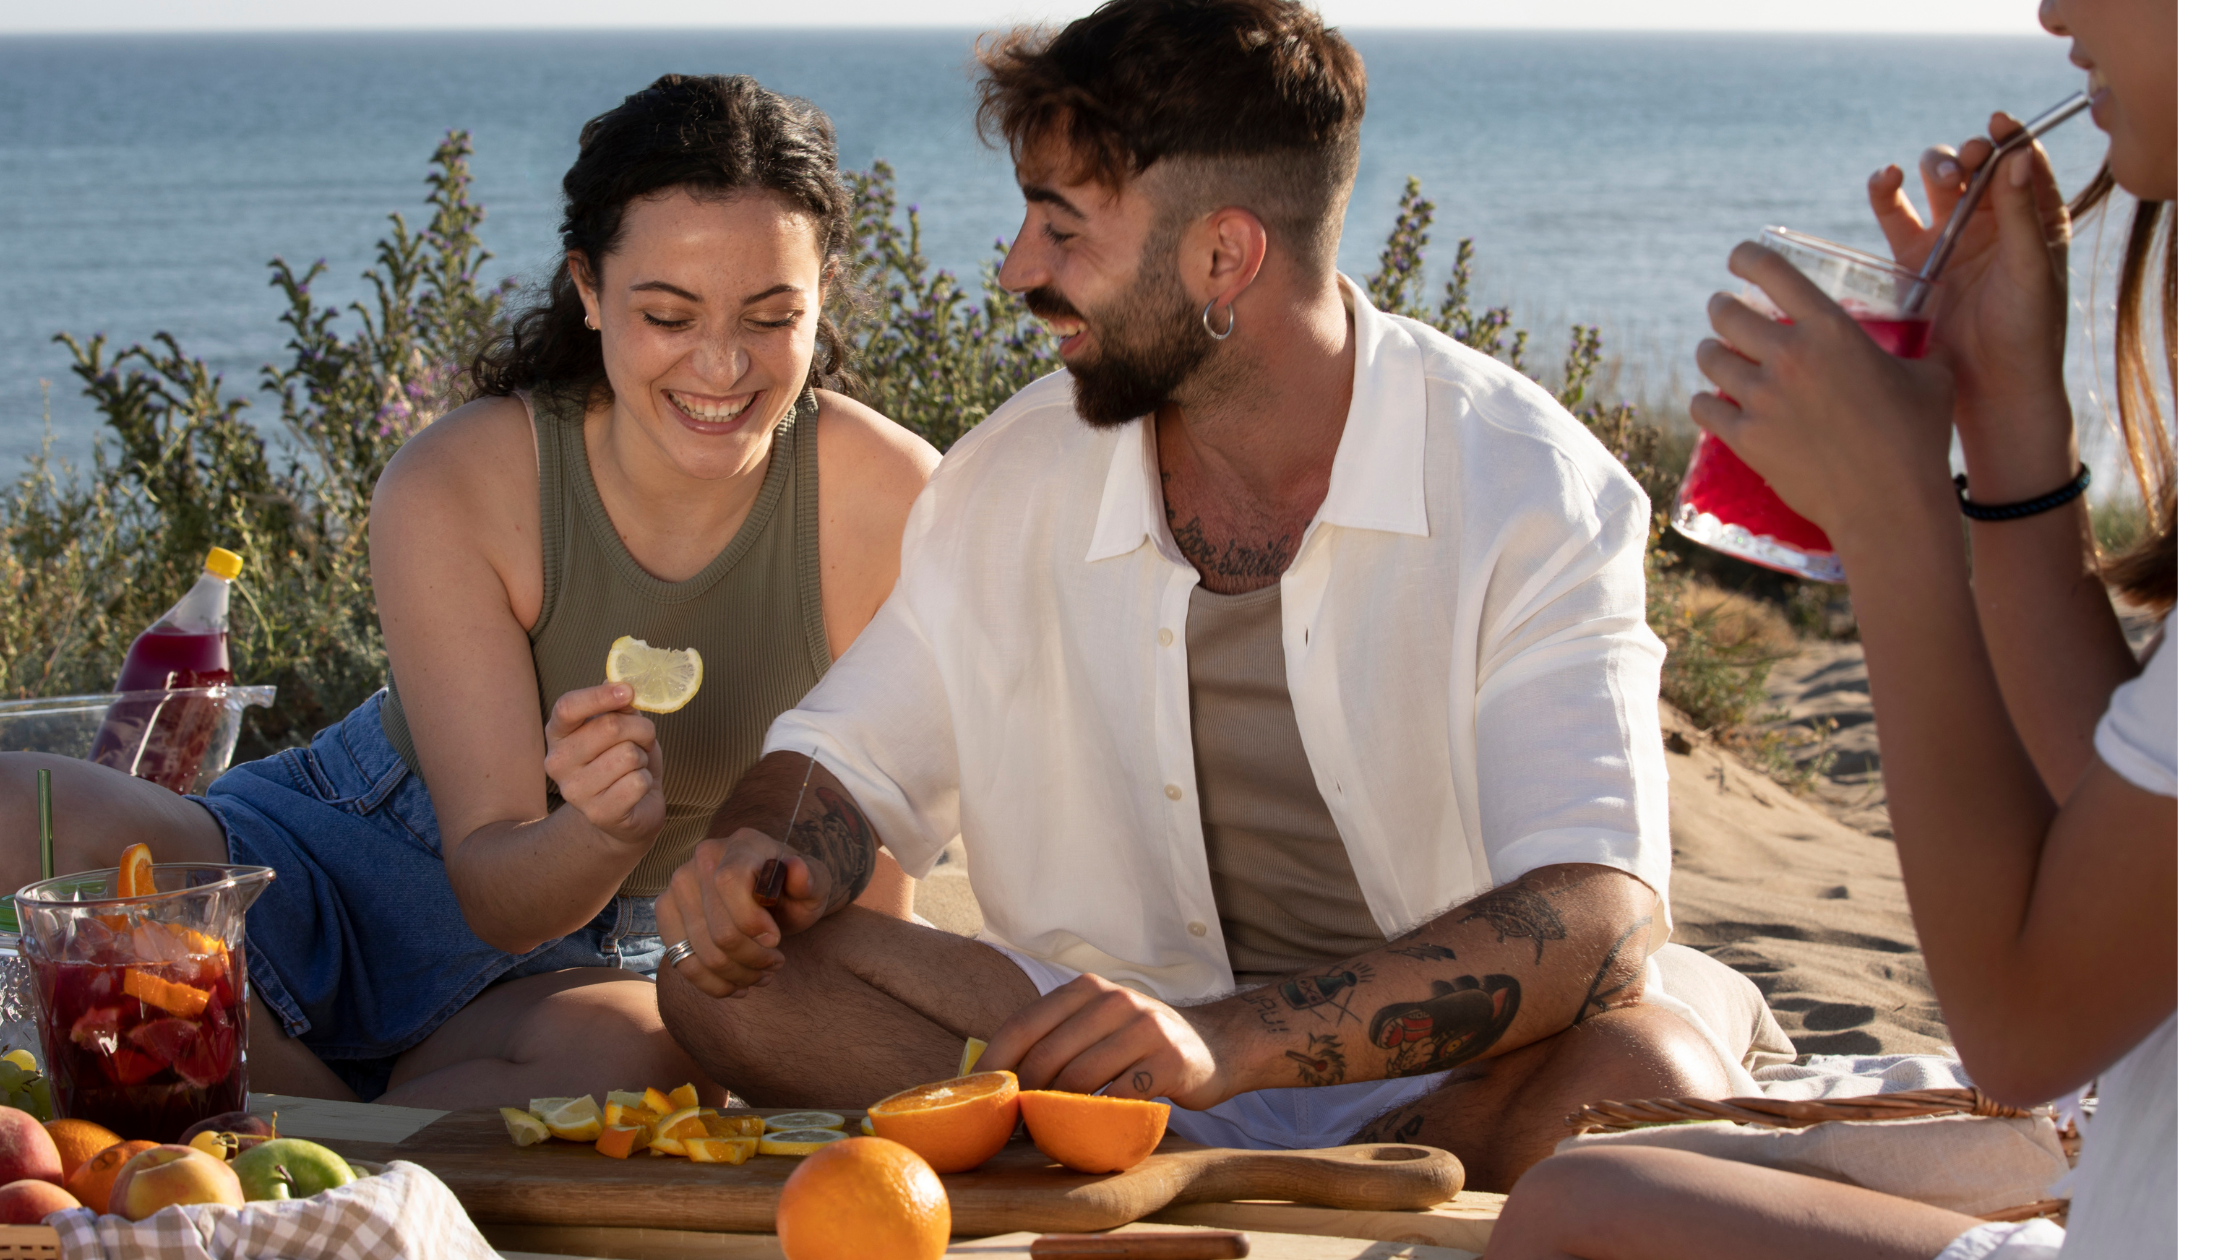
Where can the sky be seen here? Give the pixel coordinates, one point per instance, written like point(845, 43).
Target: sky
point(1949, 16)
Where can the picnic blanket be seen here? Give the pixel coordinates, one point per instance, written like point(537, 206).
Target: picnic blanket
point(403, 1213)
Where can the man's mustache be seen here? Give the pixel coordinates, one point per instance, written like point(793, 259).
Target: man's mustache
point(1047, 303)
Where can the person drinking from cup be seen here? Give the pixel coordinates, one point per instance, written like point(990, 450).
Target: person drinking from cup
point(2030, 758)
point(662, 448)
point(1281, 662)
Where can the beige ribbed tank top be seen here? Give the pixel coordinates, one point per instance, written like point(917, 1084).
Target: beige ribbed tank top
point(756, 613)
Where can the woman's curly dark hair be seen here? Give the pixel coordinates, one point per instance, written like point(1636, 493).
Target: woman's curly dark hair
point(712, 135)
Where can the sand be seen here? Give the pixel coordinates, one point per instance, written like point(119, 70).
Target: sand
point(1798, 892)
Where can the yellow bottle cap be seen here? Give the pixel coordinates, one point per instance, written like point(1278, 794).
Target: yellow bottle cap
point(223, 563)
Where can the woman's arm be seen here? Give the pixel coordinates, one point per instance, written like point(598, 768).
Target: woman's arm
point(2001, 322)
point(869, 472)
point(2048, 926)
point(458, 572)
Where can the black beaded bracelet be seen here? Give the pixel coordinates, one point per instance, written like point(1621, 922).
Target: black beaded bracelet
point(2028, 507)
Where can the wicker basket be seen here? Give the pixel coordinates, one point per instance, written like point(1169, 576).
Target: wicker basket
point(1619, 1115)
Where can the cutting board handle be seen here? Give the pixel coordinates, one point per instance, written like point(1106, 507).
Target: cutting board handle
point(1372, 1176)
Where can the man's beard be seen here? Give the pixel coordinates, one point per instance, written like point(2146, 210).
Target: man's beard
point(1148, 343)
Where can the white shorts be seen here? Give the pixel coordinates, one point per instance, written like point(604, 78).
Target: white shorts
point(2010, 1240)
point(1302, 1119)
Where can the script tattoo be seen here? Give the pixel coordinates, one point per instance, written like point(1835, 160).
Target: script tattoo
point(1518, 912)
point(1461, 1020)
point(1618, 974)
point(1425, 952)
point(1323, 1063)
point(1267, 1008)
point(1234, 566)
point(841, 838)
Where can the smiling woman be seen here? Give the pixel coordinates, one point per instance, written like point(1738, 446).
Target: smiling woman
point(661, 449)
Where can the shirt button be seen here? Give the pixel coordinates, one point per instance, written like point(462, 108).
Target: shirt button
point(1197, 929)
point(1173, 793)
point(1166, 637)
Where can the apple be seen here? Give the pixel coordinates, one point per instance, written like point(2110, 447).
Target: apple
point(161, 1176)
point(290, 1168)
point(29, 1202)
point(245, 1123)
point(27, 1150)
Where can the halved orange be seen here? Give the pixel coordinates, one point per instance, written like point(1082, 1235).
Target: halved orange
point(955, 1124)
point(1089, 1133)
point(136, 872)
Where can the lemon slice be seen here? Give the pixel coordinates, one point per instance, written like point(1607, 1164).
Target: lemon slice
point(973, 1049)
point(576, 1120)
point(802, 1120)
point(865, 1125)
point(523, 1128)
point(664, 678)
point(797, 1141)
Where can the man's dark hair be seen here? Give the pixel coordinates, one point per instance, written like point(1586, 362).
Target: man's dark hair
point(711, 136)
point(1252, 103)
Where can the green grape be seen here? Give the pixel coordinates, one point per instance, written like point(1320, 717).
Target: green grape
point(39, 1098)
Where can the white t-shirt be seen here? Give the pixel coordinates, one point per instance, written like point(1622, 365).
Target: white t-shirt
point(2124, 1193)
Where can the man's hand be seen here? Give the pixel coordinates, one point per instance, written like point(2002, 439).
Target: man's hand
point(1091, 1035)
point(711, 902)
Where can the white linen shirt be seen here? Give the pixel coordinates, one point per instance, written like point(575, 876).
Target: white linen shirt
point(1463, 636)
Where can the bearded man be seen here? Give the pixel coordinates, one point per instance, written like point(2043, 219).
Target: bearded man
point(1281, 662)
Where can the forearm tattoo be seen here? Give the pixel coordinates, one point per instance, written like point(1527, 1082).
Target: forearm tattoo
point(1519, 913)
point(1618, 970)
point(1322, 1063)
point(1462, 1019)
point(840, 837)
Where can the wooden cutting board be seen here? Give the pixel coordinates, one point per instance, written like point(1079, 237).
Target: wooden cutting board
point(568, 1183)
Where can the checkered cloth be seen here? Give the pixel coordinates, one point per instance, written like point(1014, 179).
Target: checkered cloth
point(403, 1213)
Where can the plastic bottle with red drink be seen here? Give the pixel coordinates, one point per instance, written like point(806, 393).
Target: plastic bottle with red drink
point(168, 710)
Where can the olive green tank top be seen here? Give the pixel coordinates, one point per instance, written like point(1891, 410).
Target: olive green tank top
point(756, 613)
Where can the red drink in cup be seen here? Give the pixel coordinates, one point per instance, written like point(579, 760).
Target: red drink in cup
point(143, 1004)
point(1725, 506)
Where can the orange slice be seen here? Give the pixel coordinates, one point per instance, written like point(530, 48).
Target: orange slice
point(182, 1000)
point(657, 1102)
point(671, 1130)
point(955, 1124)
point(1089, 1133)
point(714, 1150)
point(624, 1142)
point(136, 872)
point(617, 1116)
point(684, 1097)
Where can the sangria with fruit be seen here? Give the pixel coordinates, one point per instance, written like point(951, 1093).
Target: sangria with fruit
point(143, 1001)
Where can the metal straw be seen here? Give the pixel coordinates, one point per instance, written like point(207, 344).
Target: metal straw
point(46, 824)
point(1940, 254)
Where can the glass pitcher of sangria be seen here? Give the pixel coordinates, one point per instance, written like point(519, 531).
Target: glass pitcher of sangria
point(143, 1003)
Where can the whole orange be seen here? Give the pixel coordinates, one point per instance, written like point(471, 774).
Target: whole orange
point(1090, 1133)
point(94, 1178)
point(862, 1197)
point(78, 1141)
point(956, 1124)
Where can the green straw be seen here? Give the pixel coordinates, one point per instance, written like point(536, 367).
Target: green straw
point(46, 824)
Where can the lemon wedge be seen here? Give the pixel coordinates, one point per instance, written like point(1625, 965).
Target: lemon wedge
point(575, 1120)
point(523, 1128)
point(798, 1141)
point(973, 1049)
point(663, 678)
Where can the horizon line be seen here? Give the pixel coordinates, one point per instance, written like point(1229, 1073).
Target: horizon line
point(930, 28)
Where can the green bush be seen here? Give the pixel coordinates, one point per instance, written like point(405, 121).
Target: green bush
point(97, 553)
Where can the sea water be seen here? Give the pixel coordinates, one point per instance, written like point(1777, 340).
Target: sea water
point(145, 181)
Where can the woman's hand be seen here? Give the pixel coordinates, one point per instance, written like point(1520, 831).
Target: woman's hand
point(603, 755)
point(2001, 315)
point(1844, 432)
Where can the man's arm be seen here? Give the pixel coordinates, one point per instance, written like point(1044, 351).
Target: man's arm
point(828, 856)
point(1503, 970)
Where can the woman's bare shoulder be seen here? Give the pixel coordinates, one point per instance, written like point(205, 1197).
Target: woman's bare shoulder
point(864, 456)
point(474, 459)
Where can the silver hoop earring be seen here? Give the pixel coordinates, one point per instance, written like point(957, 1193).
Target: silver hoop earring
point(1206, 317)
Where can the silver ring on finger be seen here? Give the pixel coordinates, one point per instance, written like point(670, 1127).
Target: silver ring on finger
point(677, 953)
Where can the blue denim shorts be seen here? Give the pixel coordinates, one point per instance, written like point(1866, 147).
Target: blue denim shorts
point(359, 945)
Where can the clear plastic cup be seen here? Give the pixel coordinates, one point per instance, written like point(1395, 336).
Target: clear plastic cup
point(1725, 506)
